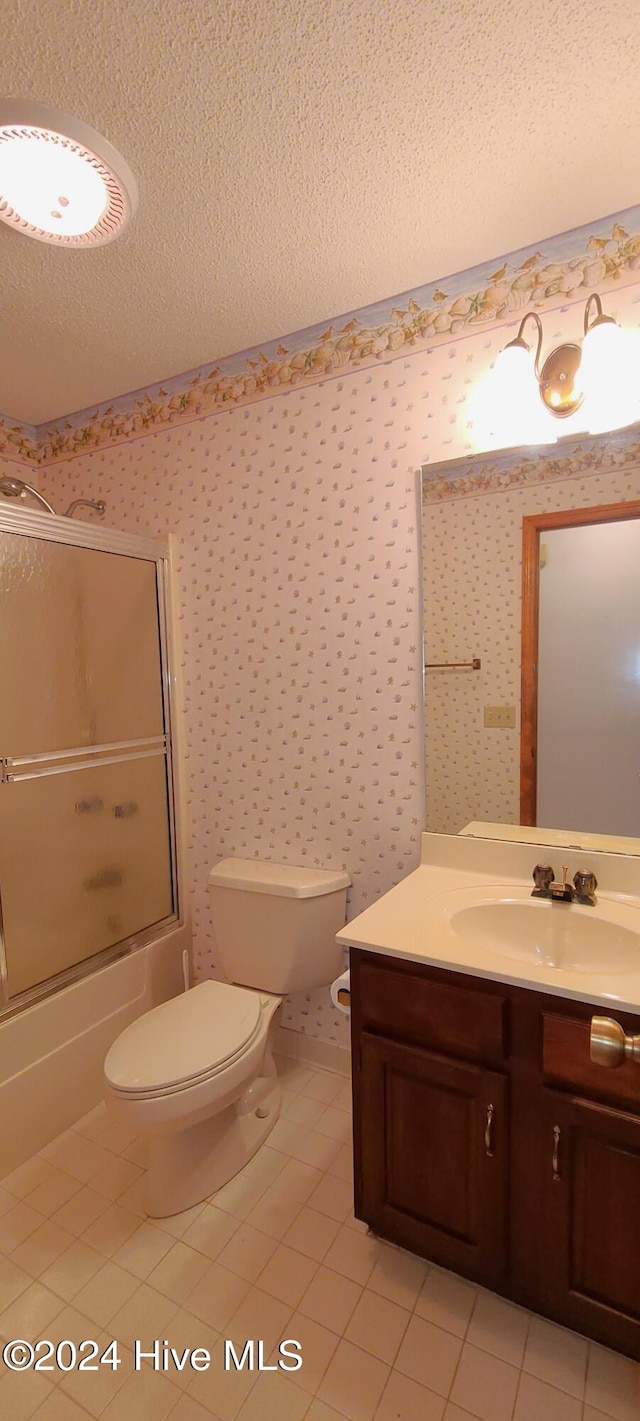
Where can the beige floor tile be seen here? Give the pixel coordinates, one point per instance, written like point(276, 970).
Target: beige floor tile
point(333, 1197)
point(59, 1407)
point(177, 1225)
point(287, 1275)
point(247, 1252)
point(217, 1296)
point(292, 1075)
point(265, 1166)
point(330, 1299)
point(319, 1411)
point(398, 1276)
point(30, 1314)
point(17, 1224)
point(179, 1272)
point(336, 1124)
point(239, 1196)
point(556, 1356)
point(298, 1180)
point(317, 1344)
point(80, 1211)
point(354, 1254)
point(87, 1160)
point(188, 1409)
point(222, 1392)
point(405, 1400)
point(302, 1110)
point(187, 1334)
point(23, 1180)
point(343, 1100)
point(536, 1399)
point(312, 1148)
point(429, 1355)
point(54, 1192)
point(323, 1086)
point(590, 1414)
point(377, 1326)
point(41, 1248)
point(273, 1397)
point(485, 1385)
point(353, 1382)
point(117, 1137)
point(455, 1413)
point(72, 1325)
point(613, 1384)
point(312, 1234)
point(142, 1251)
point(145, 1315)
point(108, 1291)
point(342, 1165)
point(260, 1317)
point(447, 1301)
point(21, 1393)
point(275, 1212)
point(145, 1396)
point(499, 1327)
point(60, 1148)
point(211, 1231)
point(116, 1177)
point(13, 1281)
point(72, 1269)
point(111, 1230)
point(94, 1390)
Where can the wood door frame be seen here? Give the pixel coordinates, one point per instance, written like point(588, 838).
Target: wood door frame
point(532, 526)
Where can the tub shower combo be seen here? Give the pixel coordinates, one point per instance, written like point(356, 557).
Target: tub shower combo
point(88, 864)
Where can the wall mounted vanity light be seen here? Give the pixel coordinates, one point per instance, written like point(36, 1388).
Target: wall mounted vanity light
point(523, 396)
point(61, 181)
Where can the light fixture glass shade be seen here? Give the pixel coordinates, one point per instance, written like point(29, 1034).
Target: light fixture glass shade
point(505, 409)
point(61, 181)
point(609, 372)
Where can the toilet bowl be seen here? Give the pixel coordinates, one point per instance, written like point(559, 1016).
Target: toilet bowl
point(195, 1077)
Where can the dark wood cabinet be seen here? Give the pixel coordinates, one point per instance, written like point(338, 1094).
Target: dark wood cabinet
point(487, 1141)
point(434, 1175)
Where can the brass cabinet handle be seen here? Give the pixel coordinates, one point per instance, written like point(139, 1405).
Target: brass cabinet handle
point(555, 1158)
point(488, 1131)
point(609, 1044)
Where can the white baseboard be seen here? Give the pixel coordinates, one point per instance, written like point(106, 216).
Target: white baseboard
point(299, 1047)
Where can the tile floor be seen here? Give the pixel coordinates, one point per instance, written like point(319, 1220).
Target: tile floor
point(275, 1254)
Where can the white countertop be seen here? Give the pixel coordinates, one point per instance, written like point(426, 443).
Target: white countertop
point(412, 920)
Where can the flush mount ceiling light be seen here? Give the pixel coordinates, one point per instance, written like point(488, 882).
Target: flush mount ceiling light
point(598, 378)
point(60, 180)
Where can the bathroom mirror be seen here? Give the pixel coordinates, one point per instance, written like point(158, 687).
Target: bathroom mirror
point(576, 507)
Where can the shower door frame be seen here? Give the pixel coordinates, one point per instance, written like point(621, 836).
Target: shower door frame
point(54, 528)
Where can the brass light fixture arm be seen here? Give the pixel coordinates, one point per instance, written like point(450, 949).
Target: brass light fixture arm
point(519, 340)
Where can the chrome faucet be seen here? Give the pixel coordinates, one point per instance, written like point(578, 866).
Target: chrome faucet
point(583, 890)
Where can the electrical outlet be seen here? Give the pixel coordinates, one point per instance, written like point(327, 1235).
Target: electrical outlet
point(500, 717)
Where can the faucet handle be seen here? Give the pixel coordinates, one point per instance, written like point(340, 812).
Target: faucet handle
point(543, 876)
point(585, 883)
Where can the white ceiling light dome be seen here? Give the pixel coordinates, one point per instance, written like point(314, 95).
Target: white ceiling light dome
point(60, 180)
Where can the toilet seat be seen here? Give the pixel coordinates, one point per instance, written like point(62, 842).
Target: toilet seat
point(184, 1041)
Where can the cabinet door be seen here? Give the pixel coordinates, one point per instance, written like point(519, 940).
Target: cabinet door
point(431, 1156)
point(591, 1219)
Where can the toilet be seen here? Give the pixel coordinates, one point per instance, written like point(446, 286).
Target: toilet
point(196, 1077)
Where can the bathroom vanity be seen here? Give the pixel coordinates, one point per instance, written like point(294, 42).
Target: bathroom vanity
point(485, 1137)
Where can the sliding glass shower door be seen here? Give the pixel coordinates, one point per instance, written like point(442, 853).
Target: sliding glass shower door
point(87, 861)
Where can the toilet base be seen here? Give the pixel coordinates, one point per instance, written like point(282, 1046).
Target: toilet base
point(186, 1166)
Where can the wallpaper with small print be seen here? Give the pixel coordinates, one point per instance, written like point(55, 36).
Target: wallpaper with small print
point(298, 524)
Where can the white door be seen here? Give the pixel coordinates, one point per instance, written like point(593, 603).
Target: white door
point(589, 679)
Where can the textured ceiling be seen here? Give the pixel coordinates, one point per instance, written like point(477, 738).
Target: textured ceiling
point(298, 159)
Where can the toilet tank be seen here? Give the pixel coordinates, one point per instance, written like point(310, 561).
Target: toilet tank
point(274, 925)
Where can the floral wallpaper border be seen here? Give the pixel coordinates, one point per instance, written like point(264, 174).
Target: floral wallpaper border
point(570, 266)
point(514, 468)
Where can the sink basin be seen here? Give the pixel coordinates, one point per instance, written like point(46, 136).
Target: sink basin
point(562, 936)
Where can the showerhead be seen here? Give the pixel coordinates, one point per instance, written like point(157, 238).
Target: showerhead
point(11, 488)
point(14, 488)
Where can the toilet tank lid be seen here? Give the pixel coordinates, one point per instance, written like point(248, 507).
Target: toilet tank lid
point(284, 879)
